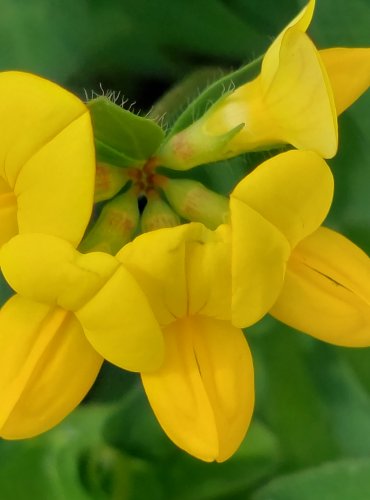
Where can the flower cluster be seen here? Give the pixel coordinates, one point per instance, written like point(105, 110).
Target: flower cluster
point(171, 303)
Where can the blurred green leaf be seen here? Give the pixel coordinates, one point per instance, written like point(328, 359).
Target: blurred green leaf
point(337, 28)
point(133, 428)
point(345, 480)
point(287, 396)
point(47, 467)
point(48, 38)
point(256, 459)
point(348, 404)
point(73, 461)
point(121, 137)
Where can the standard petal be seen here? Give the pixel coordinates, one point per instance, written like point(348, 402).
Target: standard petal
point(299, 97)
point(300, 23)
point(203, 395)
point(47, 366)
point(293, 191)
point(349, 74)
point(46, 155)
point(158, 263)
point(121, 326)
point(259, 255)
point(327, 290)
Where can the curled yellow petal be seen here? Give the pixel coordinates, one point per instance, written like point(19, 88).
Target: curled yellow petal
point(300, 23)
point(293, 191)
point(8, 213)
point(46, 155)
point(327, 290)
point(272, 209)
point(259, 255)
point(119, 322)
point(349, 74)
point(157, 261)
point(203, 395)
point(208, 274)
point(47, 366)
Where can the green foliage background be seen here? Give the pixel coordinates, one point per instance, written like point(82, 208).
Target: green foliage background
point(310, 437)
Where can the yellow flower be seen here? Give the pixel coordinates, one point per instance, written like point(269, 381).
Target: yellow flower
point(47, 159)
point(160, 307)
point(310, 277)
point(294, 100)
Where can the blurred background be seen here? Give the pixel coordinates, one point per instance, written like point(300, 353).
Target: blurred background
point(310, 437)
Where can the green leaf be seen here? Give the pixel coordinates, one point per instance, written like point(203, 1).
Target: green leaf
point(5, 291)
point(342, 480)
point(121, 137)
point(46, 467)
point(214, 92)
point(70, 461)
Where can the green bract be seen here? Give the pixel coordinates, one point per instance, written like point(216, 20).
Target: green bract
point(121, 137)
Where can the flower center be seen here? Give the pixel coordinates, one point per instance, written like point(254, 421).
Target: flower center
point(146, 180)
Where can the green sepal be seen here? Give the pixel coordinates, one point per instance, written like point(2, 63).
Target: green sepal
point(121, 137)
point(214, 92)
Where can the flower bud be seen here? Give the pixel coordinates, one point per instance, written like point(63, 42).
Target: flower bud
point(195, 146)
point(115, 226)
point(108, 181)
point(158, 214)
point(196, 203)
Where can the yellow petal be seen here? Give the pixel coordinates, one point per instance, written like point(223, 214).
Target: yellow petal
point(298, 95)
point(157, 261)
point(47, 366)
point(259, 255)
point(8, 213)
point(349, 74)
point(208, 273)
point(293, 191)
point(327, 290)
point(46, 155)
point(203, 395)
point(300, 23)
point(50, 270)
point(121, 326)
